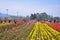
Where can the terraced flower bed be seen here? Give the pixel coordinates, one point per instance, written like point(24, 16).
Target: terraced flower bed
point(30, 31)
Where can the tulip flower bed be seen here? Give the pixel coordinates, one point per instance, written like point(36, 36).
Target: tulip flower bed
point(43, 31)
point(56, 26)
point(18, 32)
point(31, 30)
point(6, 26)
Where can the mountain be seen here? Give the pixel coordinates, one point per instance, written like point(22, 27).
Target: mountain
point(4, 15)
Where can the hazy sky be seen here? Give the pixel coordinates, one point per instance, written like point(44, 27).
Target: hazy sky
point(26, 7)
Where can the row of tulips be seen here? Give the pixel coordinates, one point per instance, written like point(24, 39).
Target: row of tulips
point(34, 33)
point(6, 24)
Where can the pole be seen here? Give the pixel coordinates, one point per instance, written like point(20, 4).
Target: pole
point(17, 13)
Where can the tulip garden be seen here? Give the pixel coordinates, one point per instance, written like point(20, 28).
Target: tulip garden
point(31, 30)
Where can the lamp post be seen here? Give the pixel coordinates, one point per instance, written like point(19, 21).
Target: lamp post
point(7, 11)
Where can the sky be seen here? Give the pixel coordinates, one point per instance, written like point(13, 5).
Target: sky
point(26, 7)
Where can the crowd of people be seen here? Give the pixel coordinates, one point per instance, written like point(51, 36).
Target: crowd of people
point(14, 21)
